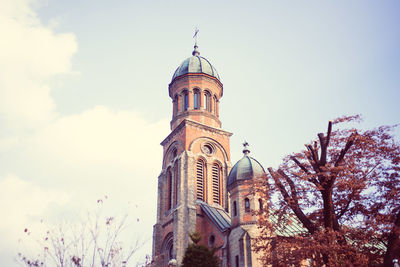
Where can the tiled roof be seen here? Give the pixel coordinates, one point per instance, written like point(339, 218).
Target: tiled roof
point(218, 216)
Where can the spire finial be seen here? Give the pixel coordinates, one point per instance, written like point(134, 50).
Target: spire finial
point(246, 151)
point(195, 51)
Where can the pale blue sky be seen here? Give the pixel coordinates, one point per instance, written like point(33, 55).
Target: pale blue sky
point(282, 65)
point(82, 114)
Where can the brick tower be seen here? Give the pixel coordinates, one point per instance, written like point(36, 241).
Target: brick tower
point(192, 193)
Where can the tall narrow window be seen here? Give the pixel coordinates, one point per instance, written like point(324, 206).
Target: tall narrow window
point(215, 104)
point(169, 189)
point(237, 261)
point(196, 99)
point(246, 205)
point(176, 104)
point(200, 180)
point(207, 101)
point(234, 210)
point(260, 204)
point(175, 183)
point(185, 100)
point(216, 183)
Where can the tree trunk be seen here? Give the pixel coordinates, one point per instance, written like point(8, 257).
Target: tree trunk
point(393, 243)
point(328, 208)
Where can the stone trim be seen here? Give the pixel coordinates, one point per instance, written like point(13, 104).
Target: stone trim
point(195, 112)
point(167, 223)
point(193, 75)
point(194, 124)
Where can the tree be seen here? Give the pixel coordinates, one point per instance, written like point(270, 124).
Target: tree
point(93, 241)
point(344, 191)
point(199, 255)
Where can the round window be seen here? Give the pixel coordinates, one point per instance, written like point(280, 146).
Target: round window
point(207, 149)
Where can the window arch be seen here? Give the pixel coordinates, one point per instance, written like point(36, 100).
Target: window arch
point(207, 101)
point(168, 247)
point(211, 240)
point(200, 178)
point(185, 100)
point(234, 208)
point(215, 100)
point(169, 189)
point(216, 176)
point(246, 205)
point(174, 153)
point(176, 183)
point(196, 98)
point(176, 104)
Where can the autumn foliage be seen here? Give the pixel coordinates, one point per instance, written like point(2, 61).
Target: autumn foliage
point(344, 191)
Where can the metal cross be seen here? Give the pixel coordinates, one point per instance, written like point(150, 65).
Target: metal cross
point(245, 144)
point(195, 34)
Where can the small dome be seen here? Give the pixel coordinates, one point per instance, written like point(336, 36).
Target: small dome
point(245, 169)
point(196, 64)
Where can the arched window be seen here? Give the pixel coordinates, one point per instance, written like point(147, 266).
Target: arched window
point(169, 189)
point(216, 183)
point(207, 101)
point(185, 102)
point(200, 177)
point(234, 209)
point(175, 183)
point(260, 204)
point(168, 248)
point(176, 104)
point(211, 240)
point(246, 205)
point(196, 99)
point(215, 104)
point(174, 153)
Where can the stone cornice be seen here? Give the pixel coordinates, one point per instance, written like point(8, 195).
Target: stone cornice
point(202, 112)
point(194, 124)
point(195, 75)
point(167, 223)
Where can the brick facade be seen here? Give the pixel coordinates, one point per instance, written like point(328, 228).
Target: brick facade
point(195, 168)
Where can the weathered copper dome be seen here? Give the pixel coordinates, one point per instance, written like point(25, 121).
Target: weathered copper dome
point(196, 64)
point(245, 169)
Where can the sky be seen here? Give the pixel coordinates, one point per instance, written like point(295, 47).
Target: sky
point(84, 98)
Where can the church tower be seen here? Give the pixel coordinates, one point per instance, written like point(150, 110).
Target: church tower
point(192, 193)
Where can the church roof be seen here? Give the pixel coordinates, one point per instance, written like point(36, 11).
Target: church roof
point(293, 228)
point(218, 216)
point(245, 169)
point(196, 64)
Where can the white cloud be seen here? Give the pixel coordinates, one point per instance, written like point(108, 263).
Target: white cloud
point(30, 54)
point(20, 202)
point(66, 162)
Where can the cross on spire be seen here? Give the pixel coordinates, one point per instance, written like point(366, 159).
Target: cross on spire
point(196, 31)
point(245, 148)
point(195, 51)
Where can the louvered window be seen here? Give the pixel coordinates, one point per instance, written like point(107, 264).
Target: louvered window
point(200, 180)
point(215, 184)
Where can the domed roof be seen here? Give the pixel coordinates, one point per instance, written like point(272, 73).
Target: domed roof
point(245, 169)
point(195, 64)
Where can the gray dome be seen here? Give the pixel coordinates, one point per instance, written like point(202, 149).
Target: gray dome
point(196, 64)
point(245, 169)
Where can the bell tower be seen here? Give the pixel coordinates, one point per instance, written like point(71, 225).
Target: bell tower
point(196, 160)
